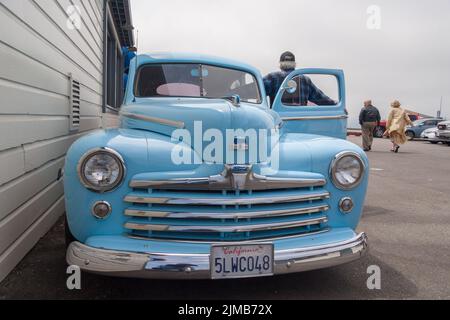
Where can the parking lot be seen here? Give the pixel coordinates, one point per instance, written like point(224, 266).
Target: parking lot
point(406, 217)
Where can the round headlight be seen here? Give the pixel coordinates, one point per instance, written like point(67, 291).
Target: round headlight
point(101, 170)
point(347, 170)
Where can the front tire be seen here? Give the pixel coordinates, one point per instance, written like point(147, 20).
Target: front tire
point(410, 135)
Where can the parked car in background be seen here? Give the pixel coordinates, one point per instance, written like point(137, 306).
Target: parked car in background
point(419, 126)
point(381, 128)
point(430, 135)
point(443, 133)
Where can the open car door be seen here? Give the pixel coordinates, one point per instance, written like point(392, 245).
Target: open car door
point(313, 101)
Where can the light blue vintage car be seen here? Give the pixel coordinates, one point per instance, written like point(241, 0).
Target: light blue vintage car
point(178, 191)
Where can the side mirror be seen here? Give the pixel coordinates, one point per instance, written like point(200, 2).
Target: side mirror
point(291, 86)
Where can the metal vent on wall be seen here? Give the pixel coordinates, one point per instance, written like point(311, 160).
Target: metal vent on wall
point(75, 90)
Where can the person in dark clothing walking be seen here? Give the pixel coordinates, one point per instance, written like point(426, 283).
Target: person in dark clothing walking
point(309, 92)
point(369, 118)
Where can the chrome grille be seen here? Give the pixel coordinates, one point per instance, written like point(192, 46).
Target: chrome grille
point(225, 215)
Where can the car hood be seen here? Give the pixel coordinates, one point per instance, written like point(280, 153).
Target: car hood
point(195, 120)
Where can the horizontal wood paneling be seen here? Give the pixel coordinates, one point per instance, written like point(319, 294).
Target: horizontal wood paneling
point(20, 99)
point(40, 24)
point(12, 256)
point(12, 164)
point(90, 16)
point(27, 43)
point(19, 191)
point(88, 28)
point(17, 161)
point(97, 12)
point(39, 153)
point(28, 129)
point(56, 13)
point(21, 219)
point(25, 70)
point(38, 53)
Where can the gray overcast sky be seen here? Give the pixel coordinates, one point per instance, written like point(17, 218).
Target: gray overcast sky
point(408, 58)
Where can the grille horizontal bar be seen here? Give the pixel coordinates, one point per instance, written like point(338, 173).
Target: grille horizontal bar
point(225, 228)
point(222, 215)
point(219, 201)
point(223, 182)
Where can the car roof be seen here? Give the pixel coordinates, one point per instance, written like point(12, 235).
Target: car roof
point(184, 57)
point(425, 119)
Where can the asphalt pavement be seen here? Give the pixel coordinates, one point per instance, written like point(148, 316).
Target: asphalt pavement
point(406, 217)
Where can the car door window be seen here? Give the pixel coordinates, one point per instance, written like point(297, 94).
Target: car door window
point(313, 90)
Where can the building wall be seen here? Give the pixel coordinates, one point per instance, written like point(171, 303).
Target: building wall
point(38, 53)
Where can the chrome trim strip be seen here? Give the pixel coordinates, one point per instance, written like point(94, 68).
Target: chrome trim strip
point(218, 228)
point(166, 122)
point(229, 180)
point(197, 266)
point(226, 201)
point(315, 118)
point(267, 183)
point(131, 236)
point(221, 215)
point(165, 183)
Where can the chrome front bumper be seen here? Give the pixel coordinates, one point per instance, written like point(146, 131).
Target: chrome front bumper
point(197, 266)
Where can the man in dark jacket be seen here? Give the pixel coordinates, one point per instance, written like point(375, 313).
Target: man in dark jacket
point(369, 118)
point(308, 91)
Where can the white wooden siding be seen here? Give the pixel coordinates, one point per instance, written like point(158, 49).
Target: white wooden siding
point(37, 53)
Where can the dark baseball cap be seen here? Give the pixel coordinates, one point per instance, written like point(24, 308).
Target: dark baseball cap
point(287, 56)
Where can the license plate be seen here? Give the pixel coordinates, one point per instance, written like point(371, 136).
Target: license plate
point(241, 261)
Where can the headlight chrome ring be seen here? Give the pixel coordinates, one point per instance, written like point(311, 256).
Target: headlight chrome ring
point(334, 170)
point(115, 156)
point(346, 205)
point(101, 210)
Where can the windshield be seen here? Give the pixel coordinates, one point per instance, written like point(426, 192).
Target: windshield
point(418, 122)
point(195, 80)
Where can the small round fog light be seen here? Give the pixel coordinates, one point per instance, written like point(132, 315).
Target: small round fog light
point(101, 209)
point(346, 205)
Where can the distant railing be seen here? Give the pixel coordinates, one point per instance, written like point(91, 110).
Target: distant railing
point(354, 132)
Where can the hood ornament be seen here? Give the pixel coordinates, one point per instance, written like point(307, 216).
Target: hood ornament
point(238, 175)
